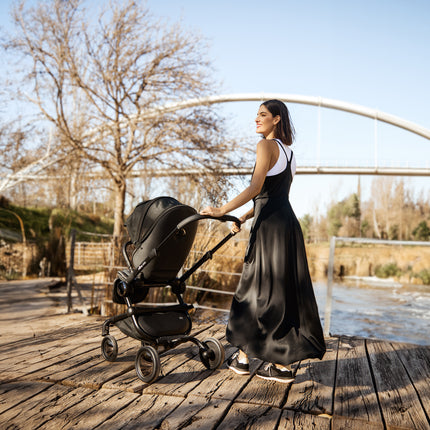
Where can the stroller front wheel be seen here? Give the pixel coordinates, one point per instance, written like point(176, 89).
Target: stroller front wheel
point(147, 364)
point(213, 357)
point(109, 348)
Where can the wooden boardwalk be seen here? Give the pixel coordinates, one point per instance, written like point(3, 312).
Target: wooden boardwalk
point(52, 376)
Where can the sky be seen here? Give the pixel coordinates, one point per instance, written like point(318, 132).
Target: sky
point(373, 53)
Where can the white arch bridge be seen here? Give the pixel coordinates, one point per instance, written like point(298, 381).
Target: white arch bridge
point(303, 169)
point(35, 169)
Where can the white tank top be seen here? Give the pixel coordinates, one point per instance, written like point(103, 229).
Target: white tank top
point(281, 162)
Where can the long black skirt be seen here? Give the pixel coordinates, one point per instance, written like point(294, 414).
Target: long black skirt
point(274, 315)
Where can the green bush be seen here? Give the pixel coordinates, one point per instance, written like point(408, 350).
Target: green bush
point(424, 275)
point(387, 270)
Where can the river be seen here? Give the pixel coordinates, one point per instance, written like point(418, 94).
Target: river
point(382, 310)
point(372, 308)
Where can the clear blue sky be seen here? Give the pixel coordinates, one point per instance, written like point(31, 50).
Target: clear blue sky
point(372, 53)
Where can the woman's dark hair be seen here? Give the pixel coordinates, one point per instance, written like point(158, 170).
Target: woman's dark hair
point(284, 128)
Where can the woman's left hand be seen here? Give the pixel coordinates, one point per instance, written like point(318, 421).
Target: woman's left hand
point(215, 212)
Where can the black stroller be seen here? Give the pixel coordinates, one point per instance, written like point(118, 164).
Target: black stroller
point(162, 232)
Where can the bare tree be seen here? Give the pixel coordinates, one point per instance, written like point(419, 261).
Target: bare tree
point(118, 71)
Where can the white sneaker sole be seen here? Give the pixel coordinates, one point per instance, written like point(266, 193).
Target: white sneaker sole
point(274, 378)
point(238, 371)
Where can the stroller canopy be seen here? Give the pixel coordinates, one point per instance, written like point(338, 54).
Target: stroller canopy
point(140, 222)
point(153, 228)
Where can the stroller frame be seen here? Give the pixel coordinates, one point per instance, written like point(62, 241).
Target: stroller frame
point(147, 362)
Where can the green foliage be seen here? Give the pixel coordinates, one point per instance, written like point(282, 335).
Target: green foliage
point(424, 275)
point(41, 224)
point(339, 212)
point(305, 224)
point(334, 219)
point(365, 226)
point(393, 232)
point(387, 270)
point(351, 207)
point(422, 231)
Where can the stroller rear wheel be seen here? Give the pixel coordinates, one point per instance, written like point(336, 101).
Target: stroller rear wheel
point(109, 348)
point(147, 364)
point(213, 357)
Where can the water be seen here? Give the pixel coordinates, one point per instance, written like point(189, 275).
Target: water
point(371, 308)
point(384, 310)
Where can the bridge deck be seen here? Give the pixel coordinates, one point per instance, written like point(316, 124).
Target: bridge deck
point(52, 376)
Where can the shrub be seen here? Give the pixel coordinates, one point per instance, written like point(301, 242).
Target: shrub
point(424, 275)
point(387, 270)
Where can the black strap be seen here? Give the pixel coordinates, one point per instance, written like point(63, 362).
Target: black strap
point(282, 146)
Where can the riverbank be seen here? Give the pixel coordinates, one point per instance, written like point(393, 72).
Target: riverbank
point(363, 260)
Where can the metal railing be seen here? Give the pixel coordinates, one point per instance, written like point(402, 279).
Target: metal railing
point(328, 309)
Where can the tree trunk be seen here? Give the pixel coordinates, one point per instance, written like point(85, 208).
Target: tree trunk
point(118, 228)
point(73, 194)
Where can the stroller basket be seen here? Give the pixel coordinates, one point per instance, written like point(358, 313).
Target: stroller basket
point(162, 232)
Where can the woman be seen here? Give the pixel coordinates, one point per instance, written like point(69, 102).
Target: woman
point(274, 315)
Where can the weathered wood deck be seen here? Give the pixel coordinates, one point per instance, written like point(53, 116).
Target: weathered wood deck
point(53, 377)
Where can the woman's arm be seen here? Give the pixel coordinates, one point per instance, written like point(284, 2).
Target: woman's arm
point(236, 227)
point(264, 155)
point(247, 215)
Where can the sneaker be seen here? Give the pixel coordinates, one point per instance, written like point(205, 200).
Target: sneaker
point(272, 373)
point(236, 366)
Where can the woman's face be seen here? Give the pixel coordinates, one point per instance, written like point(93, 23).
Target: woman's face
point(266, 122)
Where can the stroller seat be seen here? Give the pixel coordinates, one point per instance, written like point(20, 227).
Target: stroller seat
point(162, 232)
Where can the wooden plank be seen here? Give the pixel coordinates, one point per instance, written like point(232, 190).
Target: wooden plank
point(86, 370)
point(297, 420)
point(399, 401)
point(80, 410)
point(51, 407)
point(20, 415)
point(261, 392)
point(32, 368)
point(416, 360)
point(146, 412)
point(43, 330)
point(220, 384)
point(355, 395)
point(223, 384)
point(99, 372)
point(72, 352)
point(196, 412)
point(312, 390)
point(170, 361)
point(353, 423)
point(250, 416)
point(27, 347)
point(12, 394)
point(92, 416)
point(58, 372)
point(184, 374)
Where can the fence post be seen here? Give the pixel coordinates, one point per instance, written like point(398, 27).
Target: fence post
point(329, 298)
point(70, 269)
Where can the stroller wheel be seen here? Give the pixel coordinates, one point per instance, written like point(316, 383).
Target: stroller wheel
point(109, 348)
point(147, 364)
point(213, 357)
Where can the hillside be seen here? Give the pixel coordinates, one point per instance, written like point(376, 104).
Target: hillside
point(45, 232)
point(40, 224)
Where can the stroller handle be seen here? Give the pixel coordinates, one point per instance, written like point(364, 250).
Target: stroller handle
point(198, 217)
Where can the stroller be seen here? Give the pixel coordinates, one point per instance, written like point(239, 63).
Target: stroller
point(162, 231)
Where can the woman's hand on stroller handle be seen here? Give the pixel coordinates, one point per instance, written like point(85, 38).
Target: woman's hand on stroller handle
point(217, 213)
point(198, 217)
